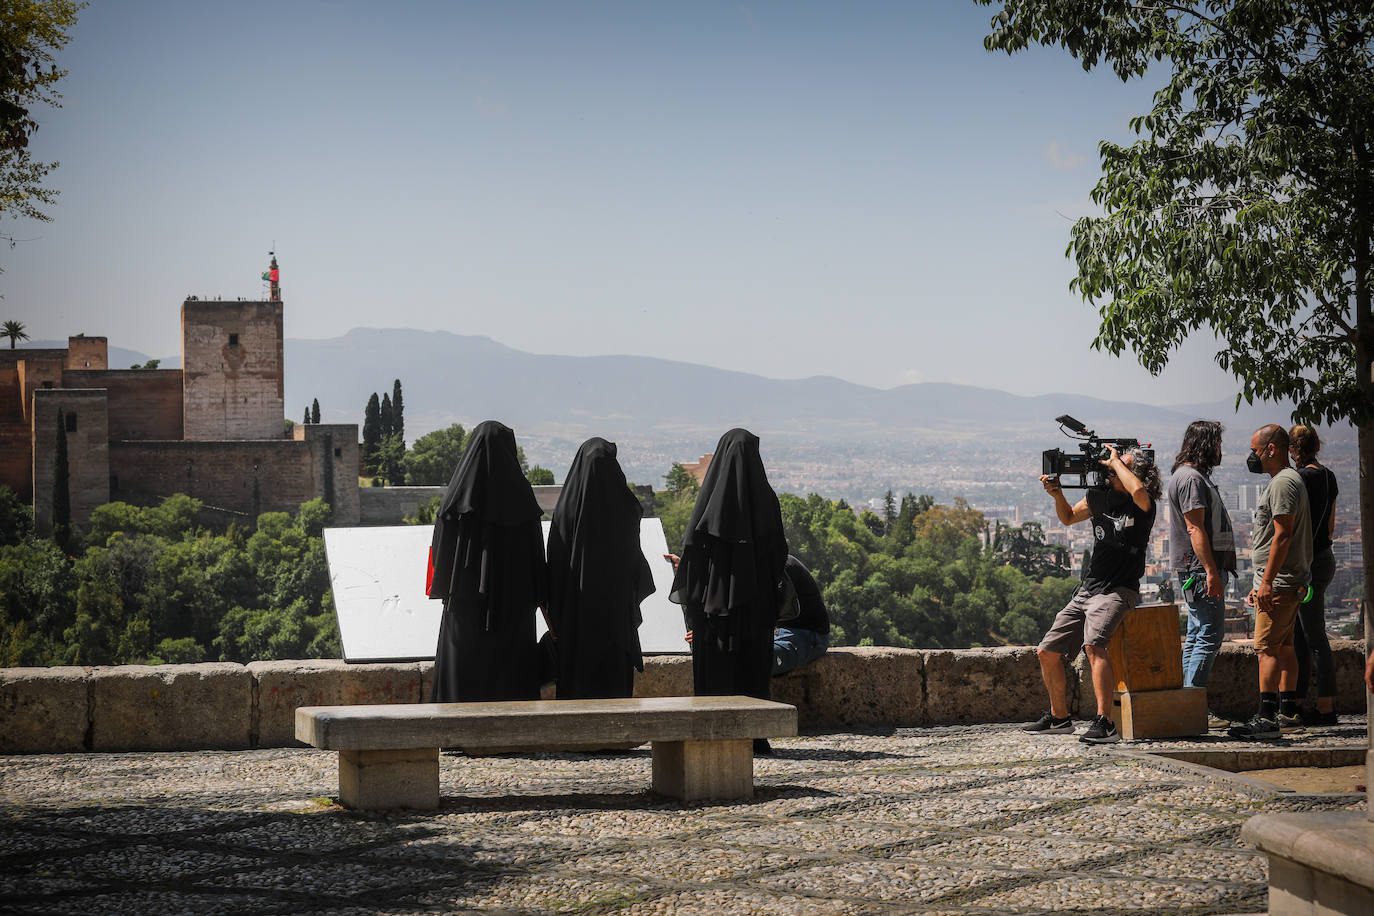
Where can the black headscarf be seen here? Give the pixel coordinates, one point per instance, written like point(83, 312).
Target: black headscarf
point(487, 489)
point(597, 577)
point(734, 547)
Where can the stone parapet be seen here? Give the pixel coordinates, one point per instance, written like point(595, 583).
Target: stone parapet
point(228, 706)
point(43, 710)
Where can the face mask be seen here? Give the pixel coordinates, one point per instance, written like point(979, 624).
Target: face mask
point(1253, 463)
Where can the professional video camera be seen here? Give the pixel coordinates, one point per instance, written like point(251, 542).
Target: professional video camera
point(1087, 464)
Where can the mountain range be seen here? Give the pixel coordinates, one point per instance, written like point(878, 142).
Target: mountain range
point(676, 408)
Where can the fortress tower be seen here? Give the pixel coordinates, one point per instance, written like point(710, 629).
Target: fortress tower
point(232, 367)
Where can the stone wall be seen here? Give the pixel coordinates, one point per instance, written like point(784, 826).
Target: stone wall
point(228, 706)
point(391, 505)
point(85, 417)
point(144, 403)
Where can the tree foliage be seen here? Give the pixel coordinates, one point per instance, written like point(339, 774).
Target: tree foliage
point(152, 586)
point(539, 476)
point(1246, 206)
point(14, 330)
point(31, 32)
point(372, 433)
point(432, 458)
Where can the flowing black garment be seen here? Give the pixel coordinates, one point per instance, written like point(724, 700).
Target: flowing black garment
point(727, 581)
point(597, 578)
point(487, 565)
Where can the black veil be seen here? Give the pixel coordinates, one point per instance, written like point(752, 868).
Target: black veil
point(733, 554)
point(487, 565)
point(597, 577)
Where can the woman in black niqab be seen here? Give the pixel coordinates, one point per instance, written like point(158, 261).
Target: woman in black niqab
point(487, 565)
point(733, 554)
point(597, 577)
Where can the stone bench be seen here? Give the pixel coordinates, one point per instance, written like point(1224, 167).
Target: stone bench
point(389, 754)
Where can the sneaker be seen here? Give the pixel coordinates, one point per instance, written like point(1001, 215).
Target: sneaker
point(1257, 727)
point(1289, 724)
point(1216, 721)
point(1100, 731)
point(1314, 717)
point(1049, 725)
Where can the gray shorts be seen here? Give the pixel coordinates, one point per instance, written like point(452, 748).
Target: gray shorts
point(1088, 620)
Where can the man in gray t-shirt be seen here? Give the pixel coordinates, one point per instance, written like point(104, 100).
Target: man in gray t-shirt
point(1202, 549)
point(1281, 547)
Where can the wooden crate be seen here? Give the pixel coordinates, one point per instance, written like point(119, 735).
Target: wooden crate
point(1146, 650)
point(1162, 713)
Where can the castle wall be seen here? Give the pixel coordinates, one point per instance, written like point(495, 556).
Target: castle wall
point(9, 359)
point(16, 458)
point(144, 403)
point(36, 374)
point(87, 353)
point(335, 453)
point(232, 370)
point(238, 479)
point(88, 453)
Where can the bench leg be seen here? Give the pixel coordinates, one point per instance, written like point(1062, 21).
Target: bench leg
point(700, 770)
point(376, 780)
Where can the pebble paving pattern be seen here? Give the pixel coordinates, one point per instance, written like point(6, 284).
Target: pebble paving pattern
point(961, 820)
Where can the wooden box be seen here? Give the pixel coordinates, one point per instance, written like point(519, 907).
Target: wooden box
point(1146, 650)
point(1162, 713)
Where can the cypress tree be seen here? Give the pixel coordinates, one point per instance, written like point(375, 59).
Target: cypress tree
point(398, 421)
point(306, 420)
point(387, 417)
point(315, 411)
point(61, 487)
point(372, 434)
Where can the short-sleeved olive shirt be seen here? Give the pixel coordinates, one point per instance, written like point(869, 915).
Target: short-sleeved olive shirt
point(1285, 495)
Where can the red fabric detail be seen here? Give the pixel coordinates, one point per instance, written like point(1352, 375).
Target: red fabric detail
point(429, 576)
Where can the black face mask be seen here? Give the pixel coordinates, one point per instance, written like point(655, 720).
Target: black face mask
point(1253, 463)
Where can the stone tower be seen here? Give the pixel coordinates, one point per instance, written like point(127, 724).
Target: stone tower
point(232, 367)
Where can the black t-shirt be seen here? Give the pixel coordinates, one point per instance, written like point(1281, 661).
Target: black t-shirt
point(1321, 495)
point(807, 610)
point(1121, 533)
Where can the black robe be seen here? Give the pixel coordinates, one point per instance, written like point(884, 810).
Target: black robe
point(597, 578)
point(727, 581)
point(487, 565)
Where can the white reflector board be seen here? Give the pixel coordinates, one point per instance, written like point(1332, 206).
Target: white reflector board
point(378, 577)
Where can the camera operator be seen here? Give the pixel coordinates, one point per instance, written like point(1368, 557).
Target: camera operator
point(1122, 514)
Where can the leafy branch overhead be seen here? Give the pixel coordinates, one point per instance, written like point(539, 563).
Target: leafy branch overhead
point(1246, 206)
point(30, 35)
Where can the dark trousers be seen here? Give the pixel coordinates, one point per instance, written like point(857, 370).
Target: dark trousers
point(1309, 636)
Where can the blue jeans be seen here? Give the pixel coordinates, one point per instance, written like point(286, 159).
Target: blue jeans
point(1206, 630)
point(793, 648)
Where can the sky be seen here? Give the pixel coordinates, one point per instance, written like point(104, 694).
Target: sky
point(852, 189)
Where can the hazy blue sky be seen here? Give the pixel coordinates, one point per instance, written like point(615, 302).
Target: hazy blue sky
point(855, 189)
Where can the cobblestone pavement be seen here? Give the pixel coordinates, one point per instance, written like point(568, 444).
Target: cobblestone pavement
point(979, 819)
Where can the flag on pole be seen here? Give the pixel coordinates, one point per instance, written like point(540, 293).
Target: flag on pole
point(271, 276)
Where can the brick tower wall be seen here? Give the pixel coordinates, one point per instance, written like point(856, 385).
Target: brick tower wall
point(88, 452)
point(334, 449)
point(88, 353)
point(144, 403)
point(231, 358)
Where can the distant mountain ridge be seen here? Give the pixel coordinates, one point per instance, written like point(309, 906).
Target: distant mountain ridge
point(678, 406)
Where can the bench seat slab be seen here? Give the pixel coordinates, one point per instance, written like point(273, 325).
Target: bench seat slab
point(704, 770)
point(378, 780)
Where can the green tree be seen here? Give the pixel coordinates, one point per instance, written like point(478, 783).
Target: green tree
point(391, 455)
point(305, 421)
point(385, 417)
point(372, 433)
point(398, 419)
point(681, 481)
point(315, 411)
point(432, 458)
point(539, 477)
point(61, 487)
point(1246, 206)
point(150, 364)
point(16, 518)
point(14, 330)
point(889, 512)
point(30, 35)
